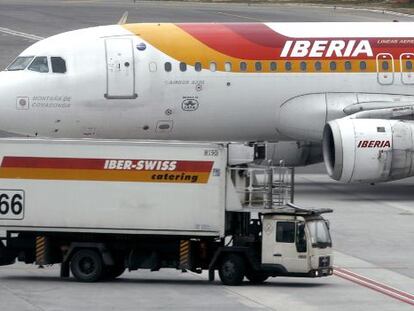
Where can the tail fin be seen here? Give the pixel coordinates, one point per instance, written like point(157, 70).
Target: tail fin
point(123, 19)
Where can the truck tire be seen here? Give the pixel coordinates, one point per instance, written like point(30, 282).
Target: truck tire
point(87, 265)
point(232, 269)
point(256, 277)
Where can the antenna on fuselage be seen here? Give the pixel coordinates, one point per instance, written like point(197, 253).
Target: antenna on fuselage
point(123, 19)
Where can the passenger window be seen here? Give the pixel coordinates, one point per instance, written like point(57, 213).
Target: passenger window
point(183, 67)
point(348, 65)
point(20, 63)
point(332, 66)
point(362, 65)
point(385, 65)
point(243, 66)
point(39, 64)
point(58, 64)
point(303, 66)
point(258, 66)
point(318, 66)
point(213, 66)
point(288, 66)
point(273, 66)
point(167, 66)
point(227, 66)
point(197, 66)
point(285, 232)
point(409, 65)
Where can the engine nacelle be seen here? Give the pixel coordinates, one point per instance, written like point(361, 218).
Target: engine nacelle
point(291, 153)
point(368, 150)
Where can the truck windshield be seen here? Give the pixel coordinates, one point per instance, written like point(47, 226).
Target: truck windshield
point(319, 232)
point(20, 63)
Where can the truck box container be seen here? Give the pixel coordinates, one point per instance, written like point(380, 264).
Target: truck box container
point(112, 186)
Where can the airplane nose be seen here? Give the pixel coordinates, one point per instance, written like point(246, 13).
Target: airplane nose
point(303, 117)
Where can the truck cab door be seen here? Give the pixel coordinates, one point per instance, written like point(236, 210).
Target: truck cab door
point(284, 244)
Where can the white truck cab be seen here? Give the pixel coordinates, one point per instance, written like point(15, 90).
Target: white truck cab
point(297, 241)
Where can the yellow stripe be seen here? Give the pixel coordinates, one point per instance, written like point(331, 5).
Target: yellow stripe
point(40, 249)
point(178, 44)
point(184, 252)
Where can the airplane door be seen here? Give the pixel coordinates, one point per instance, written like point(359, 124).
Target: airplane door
point(120, 69)
point(406, 65)
point(385, 68)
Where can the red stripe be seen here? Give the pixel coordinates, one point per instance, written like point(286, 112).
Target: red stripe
point(237, 40)
point(61, 163)
point(194, 166)
point(381, 288)
point(256, 41)
point(93, 164)
point(386, 287)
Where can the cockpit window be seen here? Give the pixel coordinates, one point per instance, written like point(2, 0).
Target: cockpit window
point(20, 63)
point(58, 64)
point(39, 64)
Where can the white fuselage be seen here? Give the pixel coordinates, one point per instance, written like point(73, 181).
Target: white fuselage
point(116, 86)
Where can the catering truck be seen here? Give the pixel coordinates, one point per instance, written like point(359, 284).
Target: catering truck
point(99, 207)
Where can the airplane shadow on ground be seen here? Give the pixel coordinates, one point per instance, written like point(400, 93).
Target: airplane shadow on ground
point(361, 192)
point(122, 281)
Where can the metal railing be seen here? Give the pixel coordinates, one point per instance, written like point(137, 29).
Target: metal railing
point(263, 187)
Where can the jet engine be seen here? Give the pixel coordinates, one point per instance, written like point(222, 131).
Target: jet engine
point(368, 150)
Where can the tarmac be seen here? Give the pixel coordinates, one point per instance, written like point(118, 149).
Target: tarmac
point(372, 225)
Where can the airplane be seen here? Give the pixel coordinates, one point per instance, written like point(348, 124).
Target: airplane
point(344, 90)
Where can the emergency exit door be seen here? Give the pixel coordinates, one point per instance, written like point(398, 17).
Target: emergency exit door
point(406, 67)
point(120, 71)
point(385, 68)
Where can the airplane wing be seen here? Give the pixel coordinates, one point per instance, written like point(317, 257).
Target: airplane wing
point(380, 110)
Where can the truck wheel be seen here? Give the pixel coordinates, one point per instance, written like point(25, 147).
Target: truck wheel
point(256, 277)
point(87, 265)
point(232, 270)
